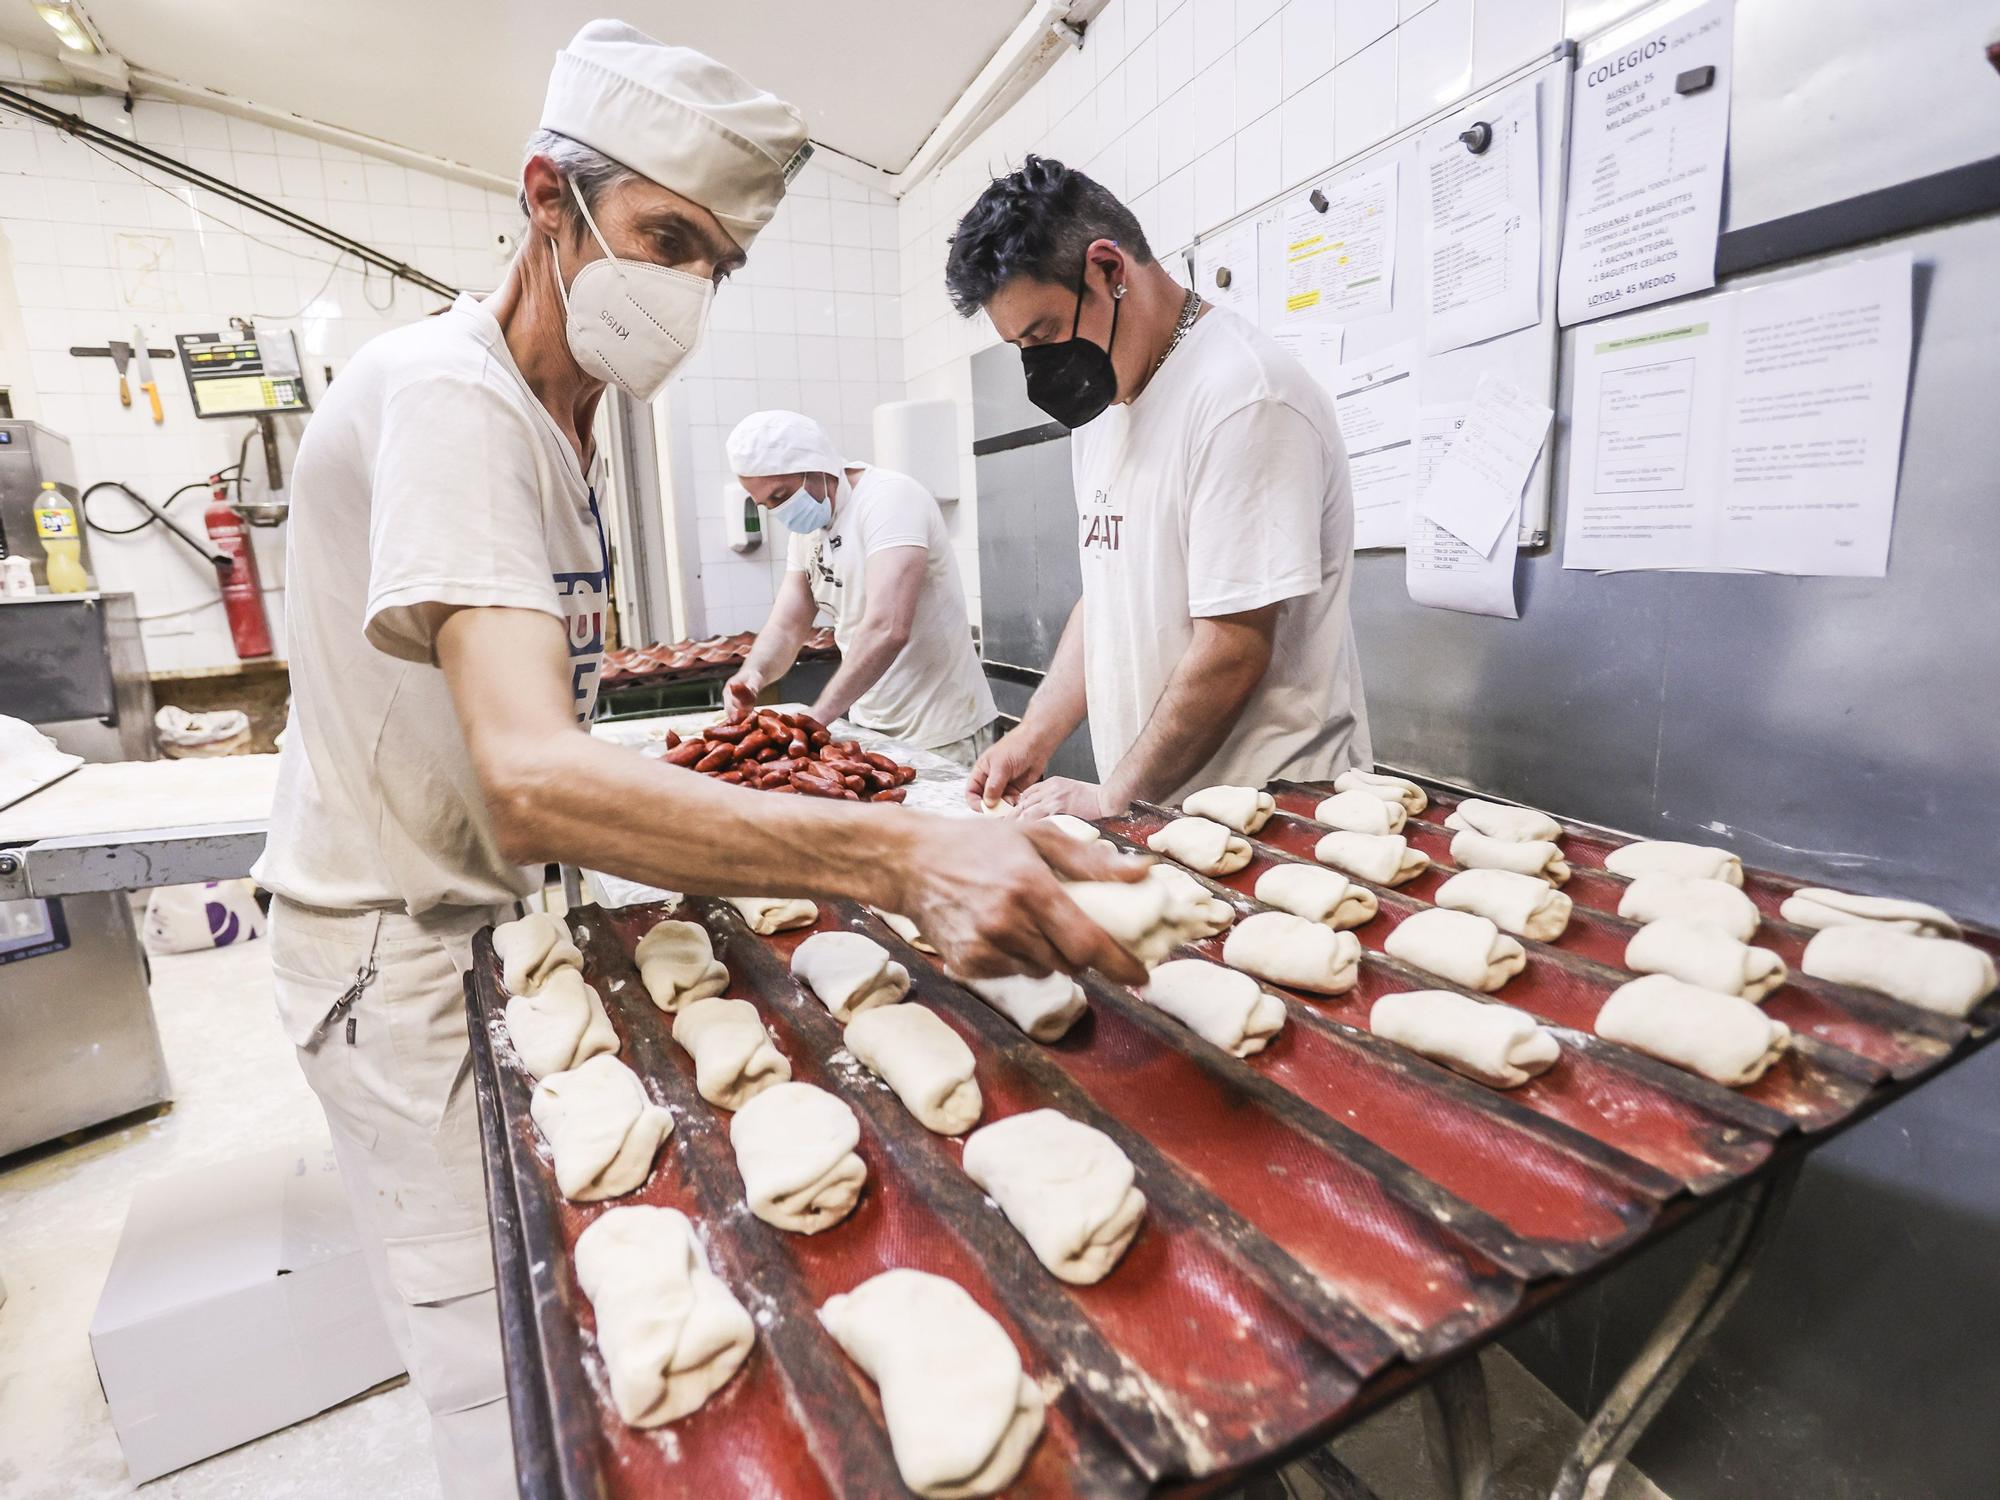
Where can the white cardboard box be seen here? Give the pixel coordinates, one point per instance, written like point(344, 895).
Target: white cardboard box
point(238, 1303)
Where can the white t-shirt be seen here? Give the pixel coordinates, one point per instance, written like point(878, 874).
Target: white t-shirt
point(1222, 488)
point(934, 691)
point(429, 474)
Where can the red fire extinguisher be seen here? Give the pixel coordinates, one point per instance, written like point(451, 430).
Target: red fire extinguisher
point(242, 598)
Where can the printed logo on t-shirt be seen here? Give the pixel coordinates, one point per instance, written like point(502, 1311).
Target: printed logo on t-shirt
point(584, 597)
point(1102, 528)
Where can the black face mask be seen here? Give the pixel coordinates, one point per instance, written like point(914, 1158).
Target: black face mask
point(1073, 381)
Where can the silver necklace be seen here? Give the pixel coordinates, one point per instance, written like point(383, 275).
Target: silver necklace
point(1190, 310)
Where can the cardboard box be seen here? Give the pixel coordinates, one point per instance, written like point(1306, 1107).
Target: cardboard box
point(238, 1304)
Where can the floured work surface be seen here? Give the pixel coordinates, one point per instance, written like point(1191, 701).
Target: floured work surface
point(136, 796)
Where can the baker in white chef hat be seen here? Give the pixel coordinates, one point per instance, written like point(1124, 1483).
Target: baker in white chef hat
point(448, 578)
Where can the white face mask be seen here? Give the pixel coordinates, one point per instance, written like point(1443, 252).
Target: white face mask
point(629, 322)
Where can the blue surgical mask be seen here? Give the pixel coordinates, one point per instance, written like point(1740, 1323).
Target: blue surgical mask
point(803, 511)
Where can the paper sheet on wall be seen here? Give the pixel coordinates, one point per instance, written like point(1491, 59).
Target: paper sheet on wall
point(1646, 162)
point(1376, 401)
point(1315, 344)
point(1759, 429)
point(1475, 490)
point(1233, 254)
point(1482, 226)
point(1340, 264)
point(1440, 570)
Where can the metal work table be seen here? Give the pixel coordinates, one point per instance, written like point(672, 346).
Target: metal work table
point(1332, 1224)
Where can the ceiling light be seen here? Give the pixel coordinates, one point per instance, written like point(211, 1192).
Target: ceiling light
point(65, 18)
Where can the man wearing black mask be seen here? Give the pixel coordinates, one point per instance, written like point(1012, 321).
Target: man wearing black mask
point(1215, 515)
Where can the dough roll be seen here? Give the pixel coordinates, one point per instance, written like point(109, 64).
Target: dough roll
point(769, 914)
point(1496, 1045)
point(1715, 1035)
point(1317, 894)
point(1934, 973)
point(734, 1057)
point(1064, 1185)
point(1814, 907)
point(1456, 945)
point(1360, 812)
point(1244, 809)
point(601, 1128)
point(927, 1063)
point(1384, 858)
point(560, 1025)
point(1289, 950)
point(1525, 905)
point(1075, 827)
point(1202, 845)
point(1704, 956)
point(962, 1414)
point(1148, 918)
point(670, 1332)
point(1656, 898)
point(1501, 820)
point(1672, 857)
point(1392, 788)
point(794, 1148)
point(677, 964)
point(530, 949)
point(1228, 1008)
point(849, 973)
point(1213, 913)
point(1536, 857)
point(904, 928)
point(1044, 1008)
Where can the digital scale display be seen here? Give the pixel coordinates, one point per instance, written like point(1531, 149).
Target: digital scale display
point(243, 377)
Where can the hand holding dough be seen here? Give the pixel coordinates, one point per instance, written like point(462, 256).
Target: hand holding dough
point(1671, 857)
point(1937, 974)
point(1201, 845)
point(1525, 905)
point(849, 973)
point(962, 1414)
point(1491, 1044)
point(677, 964)
point(1391, 788)
point(1226, 1006)
point(560, 1025)
point(1717, 1036)
point(927, 1063)
point(769, 914)
point(1502, 820)
point(1384, 858)
point(1289, 950)
point(1147, 918)
point(1537, 857)
point(1215, 914)
point(734, 1058)
point(530, 949)
point(1044, 1008)
point(1655, 898)
point(1814, 907)
point(1064, 1185)
point(670, 1332)
point(905, 929)
point(1075, 827)
point(1704, 956)
point(794, 1149)
point(601, 1128)
point(1458, 946)
point(1357, 811)
point(1317, 894)
point(1242, 808)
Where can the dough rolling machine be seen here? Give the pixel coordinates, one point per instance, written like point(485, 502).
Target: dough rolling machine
point(1332, 1222)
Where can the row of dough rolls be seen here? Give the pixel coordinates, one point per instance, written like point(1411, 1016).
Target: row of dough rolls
point(1457, 945)
point(554, 1018)
point(1722, 1037)
point(1201, 844)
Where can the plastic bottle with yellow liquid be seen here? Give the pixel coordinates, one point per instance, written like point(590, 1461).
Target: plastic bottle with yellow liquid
point(55, 524)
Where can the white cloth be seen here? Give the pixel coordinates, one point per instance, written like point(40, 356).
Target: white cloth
point(429, 475)
point(1718, 1036)
point(1224, 1005)
point(1222, 488)
point(1066, 1186)
point(933, 692)
point(680, 119)
point(1705, 956)
point(1816, 907)
point(1938, 974)
point(1492, 1044)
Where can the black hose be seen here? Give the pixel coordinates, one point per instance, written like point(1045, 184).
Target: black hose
point(154, 513)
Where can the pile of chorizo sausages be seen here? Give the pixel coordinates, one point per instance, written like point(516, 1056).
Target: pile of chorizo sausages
point(794, 753)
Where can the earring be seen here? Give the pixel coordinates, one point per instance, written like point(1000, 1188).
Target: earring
point(1118, 291)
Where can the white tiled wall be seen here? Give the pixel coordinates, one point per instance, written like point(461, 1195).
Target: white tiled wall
point(1194, 111)
point(810, 324)
point(96, 249)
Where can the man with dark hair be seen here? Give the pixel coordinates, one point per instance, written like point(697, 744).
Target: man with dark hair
point(1215, 516)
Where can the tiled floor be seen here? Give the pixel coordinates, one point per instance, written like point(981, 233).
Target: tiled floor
point(236, 1089)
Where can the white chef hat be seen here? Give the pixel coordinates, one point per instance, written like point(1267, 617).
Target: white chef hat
point(781, 442)
point(679, 118)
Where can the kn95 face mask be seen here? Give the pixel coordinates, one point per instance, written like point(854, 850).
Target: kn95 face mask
point(630, 323)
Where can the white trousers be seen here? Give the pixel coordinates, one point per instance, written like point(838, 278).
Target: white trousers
point(964, 752)
point(375, 1004)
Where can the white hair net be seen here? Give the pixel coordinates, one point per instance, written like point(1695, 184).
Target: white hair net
point(781, 442)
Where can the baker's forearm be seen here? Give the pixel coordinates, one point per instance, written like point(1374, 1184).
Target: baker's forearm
point(862, 662)
point(1203, 699)
point(1059, 703)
